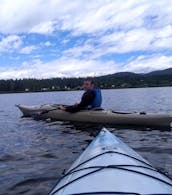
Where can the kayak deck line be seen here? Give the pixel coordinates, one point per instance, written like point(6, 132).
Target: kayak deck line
point(99, 161)
point(118, 193)
point(111, 152)
point(99, 116)
point(99, 168)
point(109, 166)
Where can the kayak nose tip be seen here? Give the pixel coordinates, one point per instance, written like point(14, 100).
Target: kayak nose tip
point(104, 130)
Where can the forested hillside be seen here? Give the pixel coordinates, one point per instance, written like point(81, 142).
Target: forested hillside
point(117, 80)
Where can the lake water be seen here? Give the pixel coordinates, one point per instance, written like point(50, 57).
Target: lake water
point(33, 154)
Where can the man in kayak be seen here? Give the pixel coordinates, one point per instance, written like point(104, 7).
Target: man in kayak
point(91, 98)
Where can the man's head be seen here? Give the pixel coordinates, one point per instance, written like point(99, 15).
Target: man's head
point(88, 84)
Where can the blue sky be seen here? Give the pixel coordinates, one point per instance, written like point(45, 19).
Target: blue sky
point(64, 38)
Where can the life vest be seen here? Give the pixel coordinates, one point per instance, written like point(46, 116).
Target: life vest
point(97, 100)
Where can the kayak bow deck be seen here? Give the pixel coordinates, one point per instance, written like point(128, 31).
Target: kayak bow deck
point(97, 116)
point(109, 166)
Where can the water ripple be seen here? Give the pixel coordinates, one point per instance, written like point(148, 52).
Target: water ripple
point(34, 154)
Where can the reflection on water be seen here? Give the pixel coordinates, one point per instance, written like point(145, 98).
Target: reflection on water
point(34, 154)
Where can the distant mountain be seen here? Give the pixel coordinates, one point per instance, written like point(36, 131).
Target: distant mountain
point(161, 72)
point(131, 74)
point(126, 74)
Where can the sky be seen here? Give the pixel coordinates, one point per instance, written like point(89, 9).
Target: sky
point(75, 38)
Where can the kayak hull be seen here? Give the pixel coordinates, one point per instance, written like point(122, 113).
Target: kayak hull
point(109, 165)
point(97, 116)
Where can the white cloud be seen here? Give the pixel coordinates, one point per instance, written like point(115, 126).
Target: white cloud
point(132, 40)
point(28, 49)
point(47, 43)
point(82, 16)
point(131, 26)
point(44, 28)
point(79, 51)
point(65, 41)
point(111, 27)
point(10, 43)
point(165, 32)
point(65, 67)
point(143, 64)
point(14, 74)
point(139, 39)
point(38, 16)
point(59, 68)
point(24, 15)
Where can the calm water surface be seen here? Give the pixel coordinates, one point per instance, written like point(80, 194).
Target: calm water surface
point(33, 154)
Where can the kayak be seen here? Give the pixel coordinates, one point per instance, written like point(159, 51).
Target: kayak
point(97, 116)
point(109, 166)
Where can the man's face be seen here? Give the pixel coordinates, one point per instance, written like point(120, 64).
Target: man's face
point(87, 85)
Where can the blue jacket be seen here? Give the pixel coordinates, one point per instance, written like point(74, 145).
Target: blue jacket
point(90, 99)
point(97, 100)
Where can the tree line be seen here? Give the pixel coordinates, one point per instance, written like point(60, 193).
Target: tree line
point(118, 80)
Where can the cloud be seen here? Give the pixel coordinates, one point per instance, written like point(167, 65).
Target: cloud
point(80, 51)
point(59, 68)
point(44, 28)
point(77, 38)
point(47, 43)
point(38, 16)
point(28, 49)
point(82, 16)
point(132, 40)
point(24, 15)
point(10, 43)
point(65, 67)
point(140, 39)
point(143, 64)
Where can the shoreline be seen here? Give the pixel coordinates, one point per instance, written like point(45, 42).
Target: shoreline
point(14, 92)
